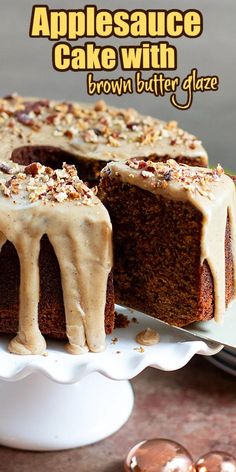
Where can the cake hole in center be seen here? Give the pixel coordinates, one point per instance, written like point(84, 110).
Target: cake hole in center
point(54, 157)
point(48, 156)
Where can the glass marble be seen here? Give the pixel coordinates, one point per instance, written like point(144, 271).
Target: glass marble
point(158, 455)
point(216, 461)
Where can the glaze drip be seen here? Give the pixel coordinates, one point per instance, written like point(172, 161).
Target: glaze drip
point(79, 229)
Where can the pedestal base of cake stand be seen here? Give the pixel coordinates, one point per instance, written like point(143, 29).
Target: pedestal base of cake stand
point(61, 401)
point(39, 414)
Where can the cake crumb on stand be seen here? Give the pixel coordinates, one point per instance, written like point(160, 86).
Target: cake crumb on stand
point(121, 320)
point(139, 349)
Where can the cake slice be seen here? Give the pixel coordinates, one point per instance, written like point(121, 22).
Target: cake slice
point(174, 236)
point(56, 260)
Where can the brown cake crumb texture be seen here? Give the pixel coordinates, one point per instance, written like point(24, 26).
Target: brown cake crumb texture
point(121, 320)
point(157, 246)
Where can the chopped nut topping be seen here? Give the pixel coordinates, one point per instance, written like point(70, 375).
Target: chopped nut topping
point(192, 179)
point(100, 106)
point(219, 170)
point(38, 182)
point(90, 136)
point(93, 125)
point(146, 174)
point(33, 169)
point(5, 168)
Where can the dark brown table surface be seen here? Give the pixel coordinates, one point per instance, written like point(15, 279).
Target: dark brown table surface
point(195, 406)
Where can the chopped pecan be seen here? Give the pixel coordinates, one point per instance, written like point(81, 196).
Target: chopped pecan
point(132, 126)
point(6, 169)
point(32, 169)
point(100, 106)
point(50, 119)
point(12, 96)
point(24, 119)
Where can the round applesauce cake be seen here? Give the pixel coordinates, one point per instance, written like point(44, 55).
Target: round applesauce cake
point(171, 249)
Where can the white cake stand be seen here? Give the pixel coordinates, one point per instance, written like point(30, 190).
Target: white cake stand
point(61, 401)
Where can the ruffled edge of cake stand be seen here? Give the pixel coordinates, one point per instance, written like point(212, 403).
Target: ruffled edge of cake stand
point(122, 360)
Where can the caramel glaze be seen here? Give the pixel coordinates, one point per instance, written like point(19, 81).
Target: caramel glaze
point(80, 233)
point(94, 133)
